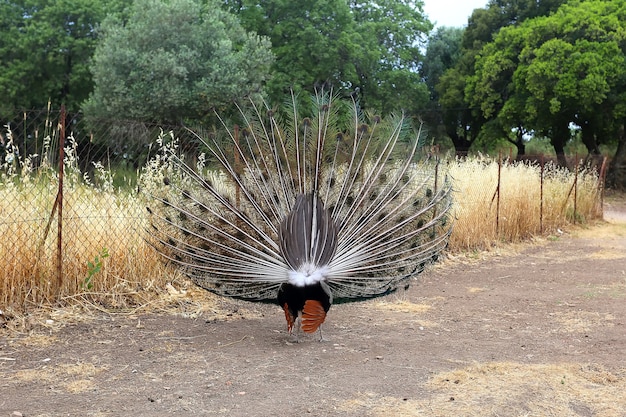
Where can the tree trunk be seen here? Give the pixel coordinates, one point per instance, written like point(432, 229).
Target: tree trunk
point(461, 143)
point(519, 142)
point(560, 136)
point(588, 136)
point(616, 177)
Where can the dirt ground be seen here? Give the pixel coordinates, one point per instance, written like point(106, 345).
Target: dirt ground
point(529, 330)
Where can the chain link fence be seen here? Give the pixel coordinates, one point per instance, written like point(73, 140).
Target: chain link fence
point(72, 219)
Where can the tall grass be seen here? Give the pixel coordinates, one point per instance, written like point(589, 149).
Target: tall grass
point(96, 220)
point(106, 259)
point(482, 221)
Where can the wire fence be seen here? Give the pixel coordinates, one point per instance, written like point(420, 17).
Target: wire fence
point(71, 217)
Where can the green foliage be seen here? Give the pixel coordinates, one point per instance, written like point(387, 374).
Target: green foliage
point(172, 60)
point(369, 46)
point(392, 32)
point(93, 268)
point(548, 72)
point(464, 113)
point(442, 53)
point(46, 47)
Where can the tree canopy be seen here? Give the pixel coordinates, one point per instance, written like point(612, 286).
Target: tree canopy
point(46, 47)
point(463, 120)
point(368, 47)
point(550, 72)
point(174, 60)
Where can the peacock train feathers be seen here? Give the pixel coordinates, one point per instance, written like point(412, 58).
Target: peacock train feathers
point(303, 207)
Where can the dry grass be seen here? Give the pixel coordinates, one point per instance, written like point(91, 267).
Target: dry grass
point(94, 221)
point(481, 222)
point(73, 378)
point(509, 389)
point(107, 263)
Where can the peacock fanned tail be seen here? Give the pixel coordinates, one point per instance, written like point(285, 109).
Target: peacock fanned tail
point(324, 200)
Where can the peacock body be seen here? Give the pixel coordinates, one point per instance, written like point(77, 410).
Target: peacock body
point(306, 208)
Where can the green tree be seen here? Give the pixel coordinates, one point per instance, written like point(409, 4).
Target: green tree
point(464, 119)
point(46, 47)
point(173, 60)
point(312, 41)
point(550, 72)
point(392, 32)
point(371, 47)
point(442, 53)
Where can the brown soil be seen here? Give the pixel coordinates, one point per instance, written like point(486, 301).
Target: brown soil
point(533, 330)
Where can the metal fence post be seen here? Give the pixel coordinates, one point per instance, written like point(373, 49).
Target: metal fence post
point(60, 202)
point(541, 195)
point(498, 194)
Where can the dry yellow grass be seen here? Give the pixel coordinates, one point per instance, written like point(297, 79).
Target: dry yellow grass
point(508, 389)
point(99, 220)
point(74, 378)
point(480, 223)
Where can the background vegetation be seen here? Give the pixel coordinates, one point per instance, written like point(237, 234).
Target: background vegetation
point(520, 71)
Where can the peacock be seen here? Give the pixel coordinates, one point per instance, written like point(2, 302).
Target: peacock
point(309, 204)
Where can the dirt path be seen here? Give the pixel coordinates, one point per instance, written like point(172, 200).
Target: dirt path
point(541, 332)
